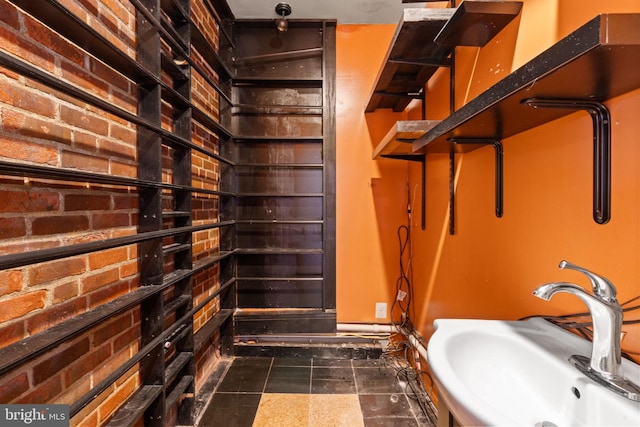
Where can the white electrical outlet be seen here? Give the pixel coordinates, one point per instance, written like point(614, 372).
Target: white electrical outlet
point(381, 310)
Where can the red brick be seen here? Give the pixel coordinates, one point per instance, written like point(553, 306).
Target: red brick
point(108, 293)
point(102, 259)
point(109, 21)
point(119, 10)
point(57, 361)
point(54, 315)
point(15, 94)
point(109, 75)
point(82, 78)
point(110, 220)
point(123, 169)
point(12, 227)
point(18, 306)
point(99, 280)
point(51, 40)
point(125, 202)
point(44, 393)
point(84, 162)
point(118, 398)
point(29, 201)
point(31, 126)
point(86, 202)
point(80, 118)
point(10, 333)
point(118, 359)
point(90, 421)
point(125, 340)
point(91, 6)
point(34, 54)
point(26, 247)
point(24, 150)
point(122, 150)
point(14, 387)
point(9, 15)
point(85, 141)
point(129, 269)
point(114, 327)
point(86, 364)
point(65, 292)
point(54, 270)
point(10, 281)
point(59, 224)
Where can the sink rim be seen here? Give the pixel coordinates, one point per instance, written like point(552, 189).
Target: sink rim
point(559, 343)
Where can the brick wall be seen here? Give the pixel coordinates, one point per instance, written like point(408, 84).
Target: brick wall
point(42, 127)
point(205, 207)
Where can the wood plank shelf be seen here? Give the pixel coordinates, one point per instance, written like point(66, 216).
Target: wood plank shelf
point(401, 74)
point(596, 62)
point(424, 40)
point(397, 142)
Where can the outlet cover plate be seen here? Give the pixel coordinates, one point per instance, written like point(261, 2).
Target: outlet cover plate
point(381, 310)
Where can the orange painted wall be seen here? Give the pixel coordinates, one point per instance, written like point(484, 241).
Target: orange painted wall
point(490, 266)
point(371, 195)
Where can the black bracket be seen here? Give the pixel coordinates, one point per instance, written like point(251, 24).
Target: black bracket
point(601, 148)
point(422, 158)
point(499, 176)
point(443, 62)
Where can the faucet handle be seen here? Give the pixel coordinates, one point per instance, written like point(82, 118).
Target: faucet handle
point(602, 287)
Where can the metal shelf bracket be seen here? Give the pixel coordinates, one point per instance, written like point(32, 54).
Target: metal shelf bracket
point(601, 118)
point(499, 175)
point(422, 159)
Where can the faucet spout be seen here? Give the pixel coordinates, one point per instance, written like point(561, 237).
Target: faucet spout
point(607, 326)
point(602, 287)
point(605, 364)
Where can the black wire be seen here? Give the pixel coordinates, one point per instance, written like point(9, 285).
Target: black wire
point(400, 356)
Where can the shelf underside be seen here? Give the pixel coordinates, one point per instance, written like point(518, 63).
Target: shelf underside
point(424, 40)
point(413, 40)
point(596, 62)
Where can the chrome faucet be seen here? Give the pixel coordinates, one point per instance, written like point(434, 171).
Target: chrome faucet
point(605, 364)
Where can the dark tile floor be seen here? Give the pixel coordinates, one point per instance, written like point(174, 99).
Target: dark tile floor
point(264, 391)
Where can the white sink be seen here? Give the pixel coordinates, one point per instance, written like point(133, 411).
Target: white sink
point(517, 373)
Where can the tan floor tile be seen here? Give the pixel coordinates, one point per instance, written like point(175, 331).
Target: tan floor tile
point(335, 410)
point(282, 410)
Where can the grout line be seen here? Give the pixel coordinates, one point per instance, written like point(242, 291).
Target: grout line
point(264, 387)
point(310, 378)
point(355, 383)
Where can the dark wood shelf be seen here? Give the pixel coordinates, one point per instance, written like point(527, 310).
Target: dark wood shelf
point(424, 40)
point(596, 62)
point(475, 23)
point(208, 330)
point(413, 41)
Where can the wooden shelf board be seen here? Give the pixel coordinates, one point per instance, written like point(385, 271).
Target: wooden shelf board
point(413, 39)
point(399, 138)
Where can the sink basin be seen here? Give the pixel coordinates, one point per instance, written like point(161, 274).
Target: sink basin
point(508, 373)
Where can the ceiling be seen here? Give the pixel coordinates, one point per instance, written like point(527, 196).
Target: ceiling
point(344, 11)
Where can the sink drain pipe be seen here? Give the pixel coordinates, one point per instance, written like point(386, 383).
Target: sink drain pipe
point(372, 328)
